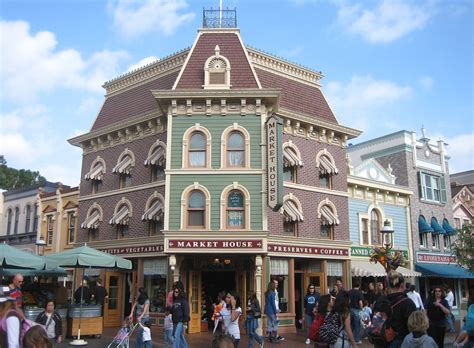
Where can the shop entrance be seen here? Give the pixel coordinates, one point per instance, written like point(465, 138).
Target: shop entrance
point(114, 282)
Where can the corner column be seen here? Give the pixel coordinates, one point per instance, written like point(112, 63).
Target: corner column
point(258, 290)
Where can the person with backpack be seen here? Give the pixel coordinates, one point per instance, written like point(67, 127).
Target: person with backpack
point(310, 301)
point(254, 312)
point(324, 306)
point(437, 309)
point(51, 320)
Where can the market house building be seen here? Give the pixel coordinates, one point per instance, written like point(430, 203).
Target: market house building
point(224, 167)
point(422, 167)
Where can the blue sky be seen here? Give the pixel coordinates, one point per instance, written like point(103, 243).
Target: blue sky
point(388, 65)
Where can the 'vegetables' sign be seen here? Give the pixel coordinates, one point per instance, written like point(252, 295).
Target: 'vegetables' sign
point(435, 258)
point(214, 244)
point(296, 249)
point(143, 249)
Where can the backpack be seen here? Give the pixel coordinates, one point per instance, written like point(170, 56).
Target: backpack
point(329, 331)
point(25, 325)
point(380, 332)
point(313, 333)
point(470, 320)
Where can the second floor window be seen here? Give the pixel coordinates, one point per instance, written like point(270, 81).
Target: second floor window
point(327, 231)
point(49, 230)
point(423, 240)
point(122, 231)
point(435, 239)
point(157, 173)
point(432, 188)
point(154, 227)
point(290, 227)
point(17, 218)
point(325, 181)
point(365, 231)
point(447, 242)
point(96, 185)
point(35, 219)
point(235, 210)
point(92, 234)
point(125, 180)
point(375, 228)
point(196, 209)
point(197, 150)
point(9, 221)
point(235, 150)
point(71, 227)
point(289, 174)
point(27, 219)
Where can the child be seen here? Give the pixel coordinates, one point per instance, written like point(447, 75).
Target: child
point(168, 327)
point(365, 318)
point(418, 324)
point(146, 334)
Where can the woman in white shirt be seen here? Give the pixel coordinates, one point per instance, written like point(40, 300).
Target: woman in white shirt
point(230, 315)
point(416, 298)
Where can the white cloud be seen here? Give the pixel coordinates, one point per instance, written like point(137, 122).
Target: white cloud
point(31, 64)
point(151, 16)
point(426, 82)
point(89, 105)
point(364, 99)
point(388, 21)
point(66, 174)
point(142, 63)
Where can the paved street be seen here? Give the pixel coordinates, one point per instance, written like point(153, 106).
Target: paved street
point(203, 340)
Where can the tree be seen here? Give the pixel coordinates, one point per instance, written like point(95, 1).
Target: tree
point(11, 178)
point(463, 247)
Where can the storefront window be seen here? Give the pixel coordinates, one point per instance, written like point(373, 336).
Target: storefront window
point(155, 272)
point(334, 272)
point(279, 272)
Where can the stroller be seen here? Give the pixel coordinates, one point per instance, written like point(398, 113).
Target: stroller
point(122, 339)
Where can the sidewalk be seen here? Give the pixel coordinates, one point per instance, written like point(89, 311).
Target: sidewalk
point(204, 339)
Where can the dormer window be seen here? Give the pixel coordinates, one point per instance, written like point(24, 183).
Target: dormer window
point(217, 71)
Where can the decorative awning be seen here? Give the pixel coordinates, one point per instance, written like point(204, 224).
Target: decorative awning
point(443, 270)
point(368, 269)
point(121, 217)
point(96, 173)
point(423, 226)
point(155, 212)
point(437, 229)
point(291, 158)
point(291, 211)
point(124, 166)
point(158, 157)
point(448, 228)
point(328, 217)
point(326, 166)
point(92, 221)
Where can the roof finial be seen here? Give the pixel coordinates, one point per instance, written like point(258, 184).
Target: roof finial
point(217, 50)
point(423, 131)
point(220, 13)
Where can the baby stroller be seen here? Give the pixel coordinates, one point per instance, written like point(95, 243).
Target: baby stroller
point(122, 339)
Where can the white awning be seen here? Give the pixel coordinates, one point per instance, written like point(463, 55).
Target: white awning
point(291, 211)
point(96, 173)
point(291, 158)
point(156, 157)
point(328, 217)
point(326, 166)
point(92, 221)
point(124, 166)
point(155, 212)
point(368, 269)
point(121, 217)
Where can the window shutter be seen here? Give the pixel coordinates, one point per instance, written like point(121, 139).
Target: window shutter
point(442, 184)
point(420, 184)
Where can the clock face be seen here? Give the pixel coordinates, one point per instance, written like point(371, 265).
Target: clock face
point(373, 173)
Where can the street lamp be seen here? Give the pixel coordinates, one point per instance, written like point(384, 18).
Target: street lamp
point(388, 258)
point(40, 243)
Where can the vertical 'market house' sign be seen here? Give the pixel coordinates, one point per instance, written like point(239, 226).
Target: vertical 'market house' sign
point(274, 128)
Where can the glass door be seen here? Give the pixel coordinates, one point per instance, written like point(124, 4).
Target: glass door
point(194, 291)
point(113, 306)
point(316, 279)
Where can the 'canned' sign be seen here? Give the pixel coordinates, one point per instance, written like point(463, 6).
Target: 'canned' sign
point(274, 127)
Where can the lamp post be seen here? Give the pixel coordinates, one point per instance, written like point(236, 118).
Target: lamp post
point(388, 258)
point(40, 243)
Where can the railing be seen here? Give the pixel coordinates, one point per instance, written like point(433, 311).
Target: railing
point(219, 18)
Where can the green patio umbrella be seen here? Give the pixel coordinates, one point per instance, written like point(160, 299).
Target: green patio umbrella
point(87, 257)
point(48, 272)
point(11, 257)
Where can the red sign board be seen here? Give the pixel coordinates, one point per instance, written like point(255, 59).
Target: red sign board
point(435, 258)
point(144, 249)
point(296, 249)
point(214, 244)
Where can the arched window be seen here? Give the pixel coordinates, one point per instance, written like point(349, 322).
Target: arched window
point(27, 218)
point(236, 150)
point(35, 219)
point(326, 167)
point(17, 218)
point(375, 237)
point(156, 159)
point(291, 161)
point(235, 213)
point(154, 214)
point(121, 217)
point(292, 213)
point(327, 212)
point(9, 221)
point(217, 71)
point(125, 164)
point(197, 150)
point(196, 209)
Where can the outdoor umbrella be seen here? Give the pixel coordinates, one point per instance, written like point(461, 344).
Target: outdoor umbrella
point(11, 257)
point(87, 257)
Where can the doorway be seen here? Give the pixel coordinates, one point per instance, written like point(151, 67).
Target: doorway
point(114, 283)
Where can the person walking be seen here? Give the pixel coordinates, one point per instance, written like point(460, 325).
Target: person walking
point(342, 309)
point(310, 301)
point(437, 309)
point(271, 312)
point(180, 316)
point(356, 304)
point(416, 298)
point(254, 312)
point(168, 328)
point(277, 305)
point(141, 311)
point(15, 290)
point(450, 317)
point(231, 313)
point(52, 322)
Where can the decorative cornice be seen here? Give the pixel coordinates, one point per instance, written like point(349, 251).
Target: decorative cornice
point(315, 189)
point(385, 187)
point(276, 64)
point(122, 191)
point(147, 72)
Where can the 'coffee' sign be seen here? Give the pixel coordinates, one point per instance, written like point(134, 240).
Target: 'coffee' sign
point(295, 249)
point(274, 127)
point(214, 244)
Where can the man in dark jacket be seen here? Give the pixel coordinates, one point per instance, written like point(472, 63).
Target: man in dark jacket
point(52, 322)
point(100, 293)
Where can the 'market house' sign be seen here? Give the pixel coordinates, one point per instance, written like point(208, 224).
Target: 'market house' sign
point(274, 128)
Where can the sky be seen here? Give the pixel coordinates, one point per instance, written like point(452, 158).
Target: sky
point(387, 65)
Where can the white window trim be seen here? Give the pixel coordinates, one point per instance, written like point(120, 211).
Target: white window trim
point(367, 216)
point(184, 207)
point(208, 71)
point(235, 186)
point(225, 136)
point(186, 137)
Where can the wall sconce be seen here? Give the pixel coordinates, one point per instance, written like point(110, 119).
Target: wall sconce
point(227, 261)
point(172, 268)
point(216, 260)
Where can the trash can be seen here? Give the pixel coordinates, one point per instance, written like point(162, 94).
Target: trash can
point(91, 320)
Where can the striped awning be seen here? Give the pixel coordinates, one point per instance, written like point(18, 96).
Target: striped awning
point(448, 228)
point(155, 212)
point(368, 269)
point(291, 158)
point(291, 212)
point(124, 166)
point(328, 217)
point(121, 217)
point(157, 157)
point(92, 221)
point(96, 173)
point(437, 229)
point(326, 166)
point(423, 226)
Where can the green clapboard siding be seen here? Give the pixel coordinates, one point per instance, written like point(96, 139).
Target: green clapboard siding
point(216, 124)
point(216, 184)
